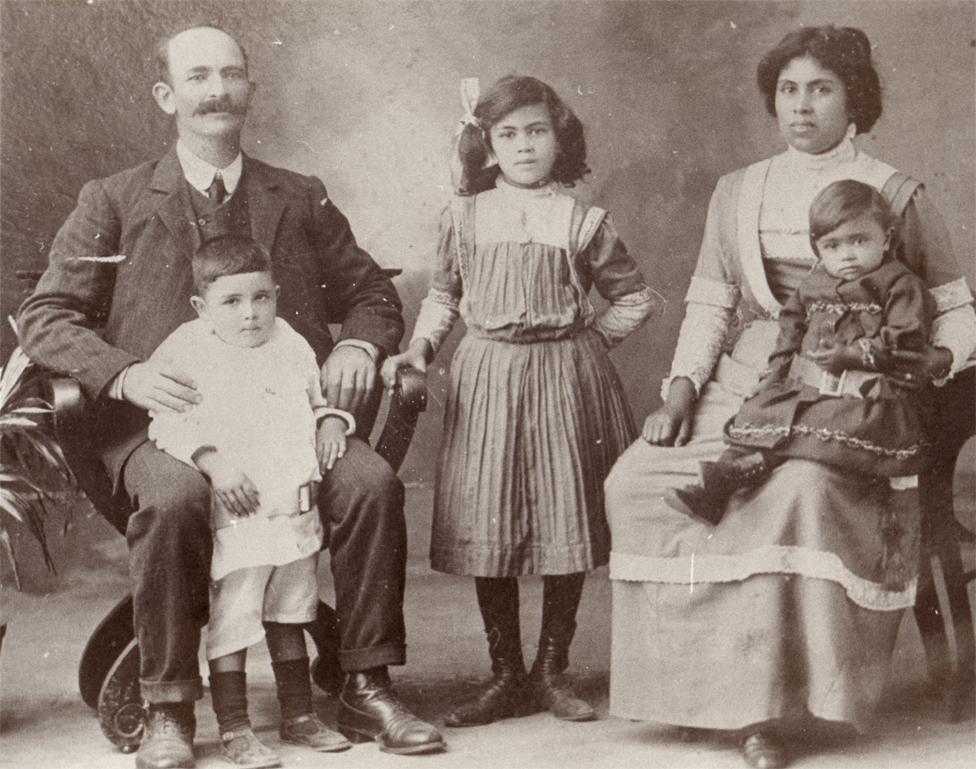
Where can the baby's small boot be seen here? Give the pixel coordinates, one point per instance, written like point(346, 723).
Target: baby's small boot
point(299, 723)
point(719, 480)
point(702, 504)
point(238, 744)
point(726, 476)
point(242, 748)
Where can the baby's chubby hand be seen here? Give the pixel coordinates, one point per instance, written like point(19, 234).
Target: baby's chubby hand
point(835, 358)
point(330, 442)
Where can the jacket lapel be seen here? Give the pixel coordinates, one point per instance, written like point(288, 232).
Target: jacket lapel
point(265, 202)
point(172, 206)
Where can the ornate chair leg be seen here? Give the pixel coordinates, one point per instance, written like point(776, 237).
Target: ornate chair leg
point(121, 712)
point(103, 649)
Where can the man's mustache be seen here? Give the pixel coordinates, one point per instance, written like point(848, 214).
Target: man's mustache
point(222, 104)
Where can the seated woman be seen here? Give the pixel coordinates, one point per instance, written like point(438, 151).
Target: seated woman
point(780, 612)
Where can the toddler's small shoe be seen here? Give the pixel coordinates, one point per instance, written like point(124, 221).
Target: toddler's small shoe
point(242, 748)
point(309, 731)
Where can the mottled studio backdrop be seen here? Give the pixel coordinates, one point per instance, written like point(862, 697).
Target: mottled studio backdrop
point(364, 95)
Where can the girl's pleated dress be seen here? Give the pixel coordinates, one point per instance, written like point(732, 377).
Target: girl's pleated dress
point(536, 414)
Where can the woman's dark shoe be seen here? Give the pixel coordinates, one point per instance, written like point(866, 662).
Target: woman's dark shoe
point(370, 710)
point(761, 750)
point(550, 687)
point(168, 740)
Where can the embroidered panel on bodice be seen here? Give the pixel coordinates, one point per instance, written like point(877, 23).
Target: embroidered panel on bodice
point(510, 214)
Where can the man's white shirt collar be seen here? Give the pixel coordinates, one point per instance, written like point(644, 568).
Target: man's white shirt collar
point(200, 174)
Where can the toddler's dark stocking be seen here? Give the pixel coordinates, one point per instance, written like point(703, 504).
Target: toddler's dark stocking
point(228, 690)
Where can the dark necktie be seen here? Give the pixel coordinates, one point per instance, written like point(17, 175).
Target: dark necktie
point(217, 192)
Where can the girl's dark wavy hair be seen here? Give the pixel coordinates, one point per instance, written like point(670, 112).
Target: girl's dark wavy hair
point(845, 51)
point(509, 94)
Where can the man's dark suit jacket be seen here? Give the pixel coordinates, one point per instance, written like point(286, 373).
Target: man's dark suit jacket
point(91, 316)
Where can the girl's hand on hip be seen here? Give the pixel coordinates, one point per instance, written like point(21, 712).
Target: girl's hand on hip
point(330, 442)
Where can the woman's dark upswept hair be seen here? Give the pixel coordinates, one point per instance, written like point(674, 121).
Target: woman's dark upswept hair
point(845, 51)
point(508, 94)
point(843, 201)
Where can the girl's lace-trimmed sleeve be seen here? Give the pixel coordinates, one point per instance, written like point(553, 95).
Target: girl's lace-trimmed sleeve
point(614, 272)
point(440, 309)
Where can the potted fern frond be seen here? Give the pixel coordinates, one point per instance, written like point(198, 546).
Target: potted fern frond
point(34, 476)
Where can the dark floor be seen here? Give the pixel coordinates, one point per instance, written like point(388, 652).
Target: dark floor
point(44, 724)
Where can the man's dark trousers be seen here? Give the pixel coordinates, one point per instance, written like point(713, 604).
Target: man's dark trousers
point(361, 503)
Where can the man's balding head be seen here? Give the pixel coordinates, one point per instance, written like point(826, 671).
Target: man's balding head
point(161, 58)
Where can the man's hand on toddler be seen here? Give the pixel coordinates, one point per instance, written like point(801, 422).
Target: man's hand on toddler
point(330, 442)
point(348, 378)
point(232, 488)
point(159, 386)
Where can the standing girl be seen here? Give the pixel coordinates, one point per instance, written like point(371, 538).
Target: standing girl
point(536, 415)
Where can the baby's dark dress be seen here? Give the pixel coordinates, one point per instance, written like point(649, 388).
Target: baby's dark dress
point(871, 423)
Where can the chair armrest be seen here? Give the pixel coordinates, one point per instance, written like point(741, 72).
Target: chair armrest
point(68, 404)
point(409, 398)
point(71, 431)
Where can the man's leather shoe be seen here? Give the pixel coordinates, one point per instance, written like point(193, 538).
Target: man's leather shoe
point(168, 740)
point(370, 710)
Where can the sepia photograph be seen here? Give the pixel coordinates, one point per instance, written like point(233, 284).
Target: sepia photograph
point(487, 383)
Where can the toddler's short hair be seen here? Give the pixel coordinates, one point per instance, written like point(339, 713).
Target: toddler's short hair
point(228, 255)
point(842, 201)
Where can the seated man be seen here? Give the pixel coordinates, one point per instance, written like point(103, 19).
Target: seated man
point(122, 261)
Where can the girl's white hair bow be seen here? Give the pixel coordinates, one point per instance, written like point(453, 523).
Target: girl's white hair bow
point(470, 91)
